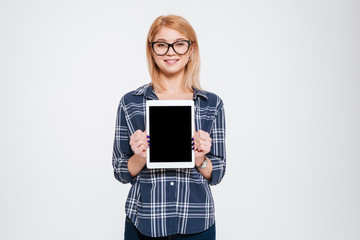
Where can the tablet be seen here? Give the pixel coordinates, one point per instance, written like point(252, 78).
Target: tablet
point(170, 126)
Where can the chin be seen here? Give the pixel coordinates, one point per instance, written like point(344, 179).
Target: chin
point(172, 70)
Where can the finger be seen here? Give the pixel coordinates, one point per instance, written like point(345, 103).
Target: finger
point(138, 145)
point(202, 138)
point(198, 148)
point(203, 134)
point(203, 149)
point(204, 146)
point(144, 136)
point(196, 144)
point(135, 135)
point(193, 141)
point(205, 137)
point(140, 137)
point(204, 142)
point(141, 142)
point(135, 142)
point(140, 149)
point(207, 141)
point(138, 134)
point(196, 135)
point(132, 142)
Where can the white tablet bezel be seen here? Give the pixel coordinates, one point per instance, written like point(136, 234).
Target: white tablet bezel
point(169, 103)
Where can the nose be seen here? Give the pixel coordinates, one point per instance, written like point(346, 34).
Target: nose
point(171, 51)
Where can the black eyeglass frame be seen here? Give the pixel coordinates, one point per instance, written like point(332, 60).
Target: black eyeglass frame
point(172, 46)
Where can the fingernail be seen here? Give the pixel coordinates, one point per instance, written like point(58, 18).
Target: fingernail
point(149, 144)
point(148, 140)
point(148, 136)
point(192, 148)
point(192, 143)
point(192, 139)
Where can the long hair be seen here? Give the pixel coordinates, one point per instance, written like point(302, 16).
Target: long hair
point(192, 69)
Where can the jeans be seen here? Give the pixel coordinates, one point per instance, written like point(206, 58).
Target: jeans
point(131, 233)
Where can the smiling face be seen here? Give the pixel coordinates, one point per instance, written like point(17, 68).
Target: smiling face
point(171, 64)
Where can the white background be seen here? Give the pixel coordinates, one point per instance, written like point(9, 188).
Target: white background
point(287, 71)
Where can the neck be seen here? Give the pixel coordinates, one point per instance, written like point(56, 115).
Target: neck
point(173, 83)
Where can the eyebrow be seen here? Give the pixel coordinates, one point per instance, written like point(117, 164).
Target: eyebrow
point(163, 40)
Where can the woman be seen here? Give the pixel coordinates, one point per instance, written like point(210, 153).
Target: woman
point(170, 202)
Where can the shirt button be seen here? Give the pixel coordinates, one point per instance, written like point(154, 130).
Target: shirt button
point(172, 184)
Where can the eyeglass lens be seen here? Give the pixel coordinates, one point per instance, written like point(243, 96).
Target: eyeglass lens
point(179, 47)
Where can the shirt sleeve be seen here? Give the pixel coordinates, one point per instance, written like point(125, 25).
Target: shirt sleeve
point(122, 150)
point(217, 154)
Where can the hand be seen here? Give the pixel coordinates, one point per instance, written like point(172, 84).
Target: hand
point(202, 146)
point(139, 143)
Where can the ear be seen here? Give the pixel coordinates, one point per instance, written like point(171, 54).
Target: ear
point(191, 48)
point(191, 51)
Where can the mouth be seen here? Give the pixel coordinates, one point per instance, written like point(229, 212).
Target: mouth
point(171, 61)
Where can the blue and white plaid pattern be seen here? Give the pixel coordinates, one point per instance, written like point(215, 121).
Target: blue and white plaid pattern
point(163, 202)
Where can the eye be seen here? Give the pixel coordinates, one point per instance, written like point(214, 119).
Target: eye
point(161, 45)
point(180, 44)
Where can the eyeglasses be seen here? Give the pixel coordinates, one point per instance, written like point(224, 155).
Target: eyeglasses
point(180, 47)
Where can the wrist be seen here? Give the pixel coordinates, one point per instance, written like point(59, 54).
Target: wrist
point(203, 163)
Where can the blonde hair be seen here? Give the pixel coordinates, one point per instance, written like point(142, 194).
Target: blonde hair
point(192, 68)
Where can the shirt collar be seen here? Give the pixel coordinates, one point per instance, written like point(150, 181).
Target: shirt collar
point(148, 92)
point(199, 93)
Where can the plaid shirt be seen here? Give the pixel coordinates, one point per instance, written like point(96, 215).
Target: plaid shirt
point(164, 202)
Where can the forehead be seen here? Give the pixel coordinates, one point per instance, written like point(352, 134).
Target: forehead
point(168, 34)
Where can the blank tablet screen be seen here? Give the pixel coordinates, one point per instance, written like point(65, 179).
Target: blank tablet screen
point(170, 134)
